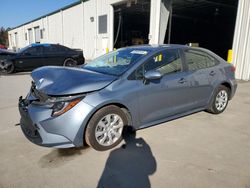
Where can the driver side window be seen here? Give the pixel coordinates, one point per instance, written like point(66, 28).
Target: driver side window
point(166, 62)
point(37, 50)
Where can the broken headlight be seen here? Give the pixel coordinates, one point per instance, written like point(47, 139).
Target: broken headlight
point(61, 107)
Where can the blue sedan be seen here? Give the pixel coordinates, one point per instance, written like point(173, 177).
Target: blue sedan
point(134, 87)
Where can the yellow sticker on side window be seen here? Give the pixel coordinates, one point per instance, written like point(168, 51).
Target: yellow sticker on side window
point(158, 58)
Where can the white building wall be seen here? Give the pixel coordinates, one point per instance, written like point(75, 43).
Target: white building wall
point(55, 29)
point(241, 44)
point(77, 27)
point(89, 29)
point(73, 27)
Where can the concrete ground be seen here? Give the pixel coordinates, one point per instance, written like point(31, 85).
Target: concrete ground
point(200, 150)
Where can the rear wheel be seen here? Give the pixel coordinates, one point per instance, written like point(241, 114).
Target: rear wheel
point(69, 62)
point(104, 130)
point(220, 100)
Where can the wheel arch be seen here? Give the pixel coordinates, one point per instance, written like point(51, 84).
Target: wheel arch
point(68, 58)
point(224, 83)
point(123, 107)
point(227, 85)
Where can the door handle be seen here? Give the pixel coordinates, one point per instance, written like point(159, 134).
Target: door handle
point(212, 73)
point(182, 80)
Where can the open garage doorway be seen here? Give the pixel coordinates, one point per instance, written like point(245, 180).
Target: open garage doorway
point(131, 23)
point(210, 23)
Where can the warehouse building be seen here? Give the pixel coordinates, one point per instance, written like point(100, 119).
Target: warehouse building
point(96, 26)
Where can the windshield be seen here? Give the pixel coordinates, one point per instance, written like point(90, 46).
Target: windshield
point(116, 62)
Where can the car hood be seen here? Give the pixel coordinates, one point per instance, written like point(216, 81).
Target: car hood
point(6, 52)
point(60, 81)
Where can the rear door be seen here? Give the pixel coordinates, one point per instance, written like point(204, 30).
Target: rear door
point(170, 95)
point(213, 70)
point(30, 59)
point(53, 55)
point(196, 61)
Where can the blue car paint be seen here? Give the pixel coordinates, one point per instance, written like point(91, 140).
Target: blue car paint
point(148, 104)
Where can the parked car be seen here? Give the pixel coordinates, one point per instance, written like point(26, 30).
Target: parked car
point(4, 54)
point(38, 55)
point(2, 46)
point(135, 86)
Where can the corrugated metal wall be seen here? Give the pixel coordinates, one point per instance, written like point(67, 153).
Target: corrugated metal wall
point(241, 44)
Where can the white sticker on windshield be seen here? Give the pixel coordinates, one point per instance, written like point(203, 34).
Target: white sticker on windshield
point(140, 52)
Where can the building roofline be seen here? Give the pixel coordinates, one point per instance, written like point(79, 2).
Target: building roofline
point(51, 13)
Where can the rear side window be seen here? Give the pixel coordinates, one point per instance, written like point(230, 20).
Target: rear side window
point(52, 49)
point(211, 61)
point(199, 60)
point(63, 49)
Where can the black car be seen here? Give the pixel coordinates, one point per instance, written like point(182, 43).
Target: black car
point(38, 55)
point(4, 54)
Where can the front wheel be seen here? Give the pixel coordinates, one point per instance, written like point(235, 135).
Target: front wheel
point(220, 100)
point(104, 130)
point(8, 68)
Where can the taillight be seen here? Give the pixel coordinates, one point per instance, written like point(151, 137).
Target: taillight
point(233, 69)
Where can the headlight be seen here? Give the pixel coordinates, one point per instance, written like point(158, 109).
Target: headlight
point(61, 107)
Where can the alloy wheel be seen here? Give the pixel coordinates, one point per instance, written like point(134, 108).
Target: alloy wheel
point(109, 129)
point(221, 100)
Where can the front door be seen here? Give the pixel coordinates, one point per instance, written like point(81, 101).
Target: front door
point(30, 58)
point(168, 96)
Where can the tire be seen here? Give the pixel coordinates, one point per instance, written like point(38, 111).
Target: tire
point(219, 101)
point(69, 62)
point(102, 135)
point(8, 70)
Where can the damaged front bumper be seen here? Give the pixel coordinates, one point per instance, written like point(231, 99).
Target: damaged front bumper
point(63, 131)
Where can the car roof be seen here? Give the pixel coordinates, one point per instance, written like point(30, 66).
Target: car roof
point(156, 47)
point(42, 44)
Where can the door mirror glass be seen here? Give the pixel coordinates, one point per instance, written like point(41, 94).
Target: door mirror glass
point(152, 75)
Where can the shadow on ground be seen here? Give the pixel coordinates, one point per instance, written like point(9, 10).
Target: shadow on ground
point(58, 157)
point(129, 166)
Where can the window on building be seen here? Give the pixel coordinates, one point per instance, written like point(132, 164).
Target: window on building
point(37, 35)
point(26, 36)
point(16, 39)
point(10, 38)
point(41, 33)
point(30, 35)
point(103, 24)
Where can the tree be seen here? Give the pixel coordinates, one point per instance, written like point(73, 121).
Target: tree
point(4, 36)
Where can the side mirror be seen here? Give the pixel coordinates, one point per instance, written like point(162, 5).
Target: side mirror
point(152, 75)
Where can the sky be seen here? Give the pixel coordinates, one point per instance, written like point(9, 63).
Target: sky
point(17, 12)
